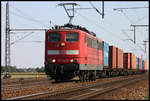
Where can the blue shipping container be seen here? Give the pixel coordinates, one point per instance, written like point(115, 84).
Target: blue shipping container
point(137, 63)
point(141, 64)
point(106, 52)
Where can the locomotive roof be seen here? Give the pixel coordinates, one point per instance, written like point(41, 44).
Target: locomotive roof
point(70, 26)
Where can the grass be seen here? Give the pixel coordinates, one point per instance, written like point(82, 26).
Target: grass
point(25, 75)
point(146, 97)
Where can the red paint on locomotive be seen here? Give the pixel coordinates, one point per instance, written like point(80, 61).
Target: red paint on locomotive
point(83, 54)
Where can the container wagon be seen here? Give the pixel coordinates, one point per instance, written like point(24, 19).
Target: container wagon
point(106, 69)
point(126, 63)
point(73, 51)
point(119, 61)
point(145, 66)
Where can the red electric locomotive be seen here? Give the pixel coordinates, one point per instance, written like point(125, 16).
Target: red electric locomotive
point(72, 51)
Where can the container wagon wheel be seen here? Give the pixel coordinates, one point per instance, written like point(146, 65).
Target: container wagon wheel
point(106, 74)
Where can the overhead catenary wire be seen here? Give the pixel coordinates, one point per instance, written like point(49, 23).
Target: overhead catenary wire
point(98, 26)
point(129, 39)
point(133, 46)
point(125, 14)
point(25, 18)
point(21, 38)
point(132, 41)
point(130, 22)
point(22, 14)
point(95, 8)
point(30, 41)
point(114, 35)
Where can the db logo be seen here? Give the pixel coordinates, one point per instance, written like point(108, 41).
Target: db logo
point(62, 51)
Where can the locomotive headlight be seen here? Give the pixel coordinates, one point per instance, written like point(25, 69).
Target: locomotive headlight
point(71, 60)
point(53, 60)
point(62, 44)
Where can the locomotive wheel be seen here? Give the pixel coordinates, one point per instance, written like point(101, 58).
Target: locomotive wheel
point(86, 74)
point(56, 80)
point(93, 75)
point(81, 76)
point(90, 76)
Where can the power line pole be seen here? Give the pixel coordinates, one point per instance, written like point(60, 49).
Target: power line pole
point(134, 34)
point(102, 9)
point(7, 40)
point(145, 44)
point(134, 30)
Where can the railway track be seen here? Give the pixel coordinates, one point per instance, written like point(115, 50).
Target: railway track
point(22, 80)
point(84, 91)
point(17, 85)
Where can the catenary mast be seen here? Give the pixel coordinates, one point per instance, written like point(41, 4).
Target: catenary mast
point(7, 40)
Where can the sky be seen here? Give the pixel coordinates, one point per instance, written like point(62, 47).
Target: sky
point(115, 28)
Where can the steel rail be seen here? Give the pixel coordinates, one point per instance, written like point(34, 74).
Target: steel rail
point(100, 91)
point(73, 89)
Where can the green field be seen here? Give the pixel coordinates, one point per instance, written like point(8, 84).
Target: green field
point(25, 75)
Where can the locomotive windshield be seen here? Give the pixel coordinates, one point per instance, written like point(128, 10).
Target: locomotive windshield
point(71, 37)
point(54, 37)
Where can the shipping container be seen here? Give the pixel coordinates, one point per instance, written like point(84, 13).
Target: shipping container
point(119, 58)
point(142, 68)
point(145, 65)
point(132, 63)
point(112, 57)
point(126, 60)
point(105, 54)
point(137, 63)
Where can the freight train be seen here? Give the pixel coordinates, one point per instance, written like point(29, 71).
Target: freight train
point(73, 51)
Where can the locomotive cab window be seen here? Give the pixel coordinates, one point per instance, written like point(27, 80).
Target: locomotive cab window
point(72, 37)
point(54, 37)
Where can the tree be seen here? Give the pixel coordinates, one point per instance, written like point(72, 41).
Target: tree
point(39, 69)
